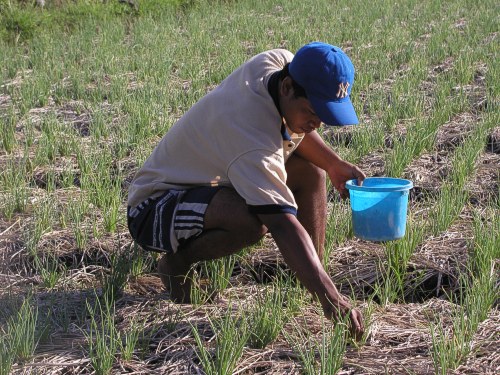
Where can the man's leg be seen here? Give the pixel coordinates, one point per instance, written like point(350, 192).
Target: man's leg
point(228, 228)
point(308, 184)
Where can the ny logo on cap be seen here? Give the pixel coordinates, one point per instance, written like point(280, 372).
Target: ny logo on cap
point(342, 93)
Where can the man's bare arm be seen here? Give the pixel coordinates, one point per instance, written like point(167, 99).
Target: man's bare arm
point(298, 251)
point(315, 150)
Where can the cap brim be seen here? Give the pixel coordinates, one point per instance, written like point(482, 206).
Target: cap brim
point(335, 113)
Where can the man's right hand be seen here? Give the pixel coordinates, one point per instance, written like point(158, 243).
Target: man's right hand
point(353, 318)
point(356, 326)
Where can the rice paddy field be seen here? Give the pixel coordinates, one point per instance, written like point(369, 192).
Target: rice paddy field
point(88, 88)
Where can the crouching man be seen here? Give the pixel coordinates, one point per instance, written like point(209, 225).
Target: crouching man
point(246, 160)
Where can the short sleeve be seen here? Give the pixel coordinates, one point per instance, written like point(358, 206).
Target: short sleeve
point(259, 177)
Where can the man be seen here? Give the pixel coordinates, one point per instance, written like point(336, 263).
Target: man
point(246, 160)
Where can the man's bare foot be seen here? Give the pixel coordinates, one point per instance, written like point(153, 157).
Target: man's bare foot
point(176, 277)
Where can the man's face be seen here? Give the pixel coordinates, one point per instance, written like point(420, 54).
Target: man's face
point(298, 112)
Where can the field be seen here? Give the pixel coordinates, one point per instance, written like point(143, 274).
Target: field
point(87, 89)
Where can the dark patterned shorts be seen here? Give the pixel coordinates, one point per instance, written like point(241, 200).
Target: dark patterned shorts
point(163, 224)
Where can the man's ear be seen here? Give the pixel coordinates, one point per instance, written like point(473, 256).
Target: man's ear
point(286, 87)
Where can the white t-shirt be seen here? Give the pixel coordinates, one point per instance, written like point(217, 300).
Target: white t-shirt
point(231, 137)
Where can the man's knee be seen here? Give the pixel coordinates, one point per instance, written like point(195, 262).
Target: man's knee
point(317, 174)
point(228, 211)
point(246, 226)
point(256, 230)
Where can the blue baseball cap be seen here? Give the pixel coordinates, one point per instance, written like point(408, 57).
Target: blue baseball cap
point(327, 74)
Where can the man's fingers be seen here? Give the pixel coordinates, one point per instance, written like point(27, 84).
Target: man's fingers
point(354, 321)
point(360, 180)
point(360, 176)
point(357, 329)
point(344, 193)
point(340, 187)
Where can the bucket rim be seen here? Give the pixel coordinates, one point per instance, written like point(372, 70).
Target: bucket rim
point(403, 184)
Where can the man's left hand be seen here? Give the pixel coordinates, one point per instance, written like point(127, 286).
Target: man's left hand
point(343, 171)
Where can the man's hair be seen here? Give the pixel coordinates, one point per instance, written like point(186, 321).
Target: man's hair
point(298, 90)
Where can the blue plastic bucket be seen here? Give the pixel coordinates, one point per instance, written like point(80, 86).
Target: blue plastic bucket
point(379, 207)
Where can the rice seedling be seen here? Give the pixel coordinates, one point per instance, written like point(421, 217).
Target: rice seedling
point(453, 197)
point(368, 317)
point(29, 133)
point(171, 316)
point(486, 238)
point(443, 352)
point(7, 131)
point(364, 139)
point(50, 181)
point(218, 272)
point(32, 237)
point(231, 334)
point(112, 207)
point(481, 295)
point(449, 205)
point(103, 338)
point(419, 137)
point(267, 317)
point(321, 355)
point(77, 211)
point(50, 269)
point(45, 214)
point(99, 178)
point(399, 252)
point(450, 347)
point(68, 177)
point(51, 143)
point(116, 277)
point(22, 332)
point(129, 340)
point(481, 287)
point(449, 350)
point(42, 221)
point(99, 130)
point(14, 185)
point(394, 272)
point(6, 356)
point(464, 164)
point(140, 261)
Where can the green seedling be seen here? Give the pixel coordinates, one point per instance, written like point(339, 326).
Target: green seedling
point(103, 338)
point(218, 273)
point(50, 269)
point(267, 317)
point(22, 332)
point(231, 335)
point(321, 355)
